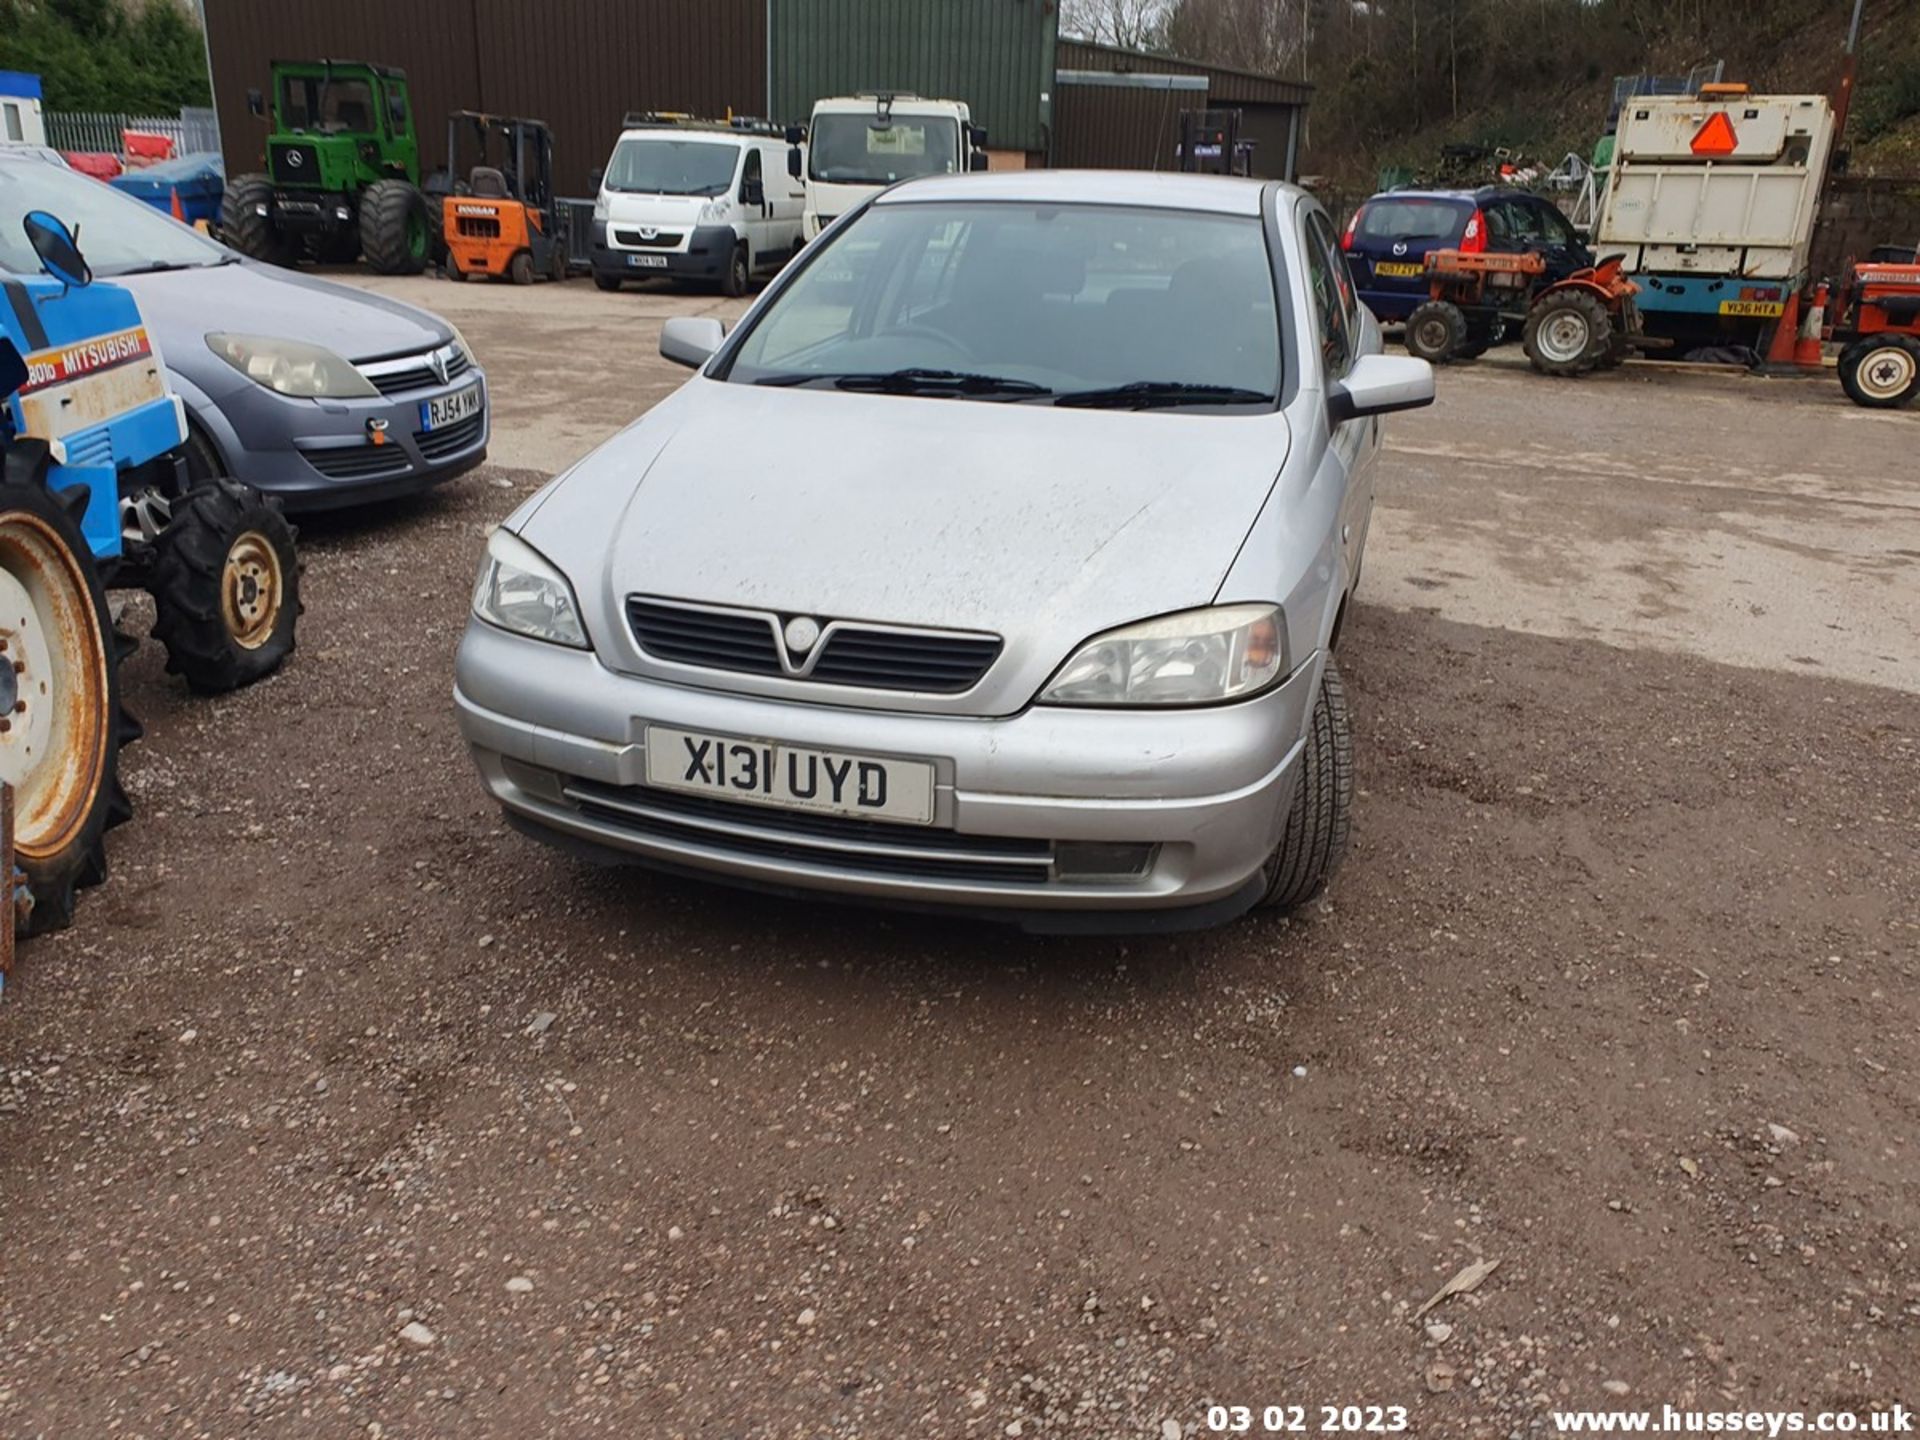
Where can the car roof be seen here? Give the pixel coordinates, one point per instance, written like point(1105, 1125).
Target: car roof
point(1219, 194)
point(1478, 192)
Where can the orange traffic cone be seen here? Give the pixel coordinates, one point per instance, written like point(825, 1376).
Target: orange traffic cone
point(1786, 334)
point(1806, 349)
point(178, 213)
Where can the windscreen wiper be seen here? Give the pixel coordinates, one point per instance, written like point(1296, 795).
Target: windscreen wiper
point(914, 380)
point(1145, 394)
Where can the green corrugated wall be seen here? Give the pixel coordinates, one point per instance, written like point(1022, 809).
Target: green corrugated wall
point(997, 55)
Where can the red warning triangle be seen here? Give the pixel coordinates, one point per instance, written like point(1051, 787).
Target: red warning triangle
point(1716, 137)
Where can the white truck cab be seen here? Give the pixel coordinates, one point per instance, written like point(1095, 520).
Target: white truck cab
point(706, 200)
point(857, 144)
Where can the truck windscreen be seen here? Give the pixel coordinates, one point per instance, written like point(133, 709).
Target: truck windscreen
point(853, 150)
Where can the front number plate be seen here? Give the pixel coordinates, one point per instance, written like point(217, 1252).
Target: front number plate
point(647, 262)
point(1401, 268)
point(790, 777)
point(461, 404)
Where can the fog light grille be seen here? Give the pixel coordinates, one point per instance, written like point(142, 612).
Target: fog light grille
point(1095, 860)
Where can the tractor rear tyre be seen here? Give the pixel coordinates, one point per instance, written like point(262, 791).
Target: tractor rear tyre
point(1881, 372)
point(1436, 331)
point(1314, 839)
point(520, 268)
point(395, 235)
point(63, 725)
point(226, 587)
point(1568, 333)
point(247, 230)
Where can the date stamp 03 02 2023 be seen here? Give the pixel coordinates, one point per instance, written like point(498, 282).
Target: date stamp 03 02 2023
point(1305, 1419)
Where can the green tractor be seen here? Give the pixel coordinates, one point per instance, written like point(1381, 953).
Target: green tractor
point(344, 172)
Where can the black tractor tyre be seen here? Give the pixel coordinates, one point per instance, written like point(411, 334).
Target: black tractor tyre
point(1568, 333)
point(734, 282)
point(68, 802)
point(1436, 331)
point(395, 236)
point(243, 226)
point(225, 579)
point(1314, 839)
point(1881, 372)
point(605, 282)
point(520, 268)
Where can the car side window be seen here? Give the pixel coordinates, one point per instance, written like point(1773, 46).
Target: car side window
point(1559, 229)
point(1326, 279)
point(1524, 223)
point(750, 172)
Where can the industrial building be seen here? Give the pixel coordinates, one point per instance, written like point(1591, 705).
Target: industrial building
point(582, 64)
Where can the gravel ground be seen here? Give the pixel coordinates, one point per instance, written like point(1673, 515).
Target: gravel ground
point(343, 1111)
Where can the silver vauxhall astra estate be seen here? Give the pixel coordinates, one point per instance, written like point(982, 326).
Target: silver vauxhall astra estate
point(995, 561)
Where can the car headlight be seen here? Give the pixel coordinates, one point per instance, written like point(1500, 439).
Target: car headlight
point(1198, 657)
point(520, 591)
point(461, 341)
point(292, 367)
point(716, 212)
point(601, 206)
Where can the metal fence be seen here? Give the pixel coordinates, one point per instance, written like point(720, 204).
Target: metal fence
point(192, 130)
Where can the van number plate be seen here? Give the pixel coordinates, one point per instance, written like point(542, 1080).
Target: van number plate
point(647, 262)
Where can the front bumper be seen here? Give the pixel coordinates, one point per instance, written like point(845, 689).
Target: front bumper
point(321, 455)
point(702, 253)
point(560, 741)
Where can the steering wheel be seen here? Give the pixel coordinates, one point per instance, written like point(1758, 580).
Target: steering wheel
point(927, 332)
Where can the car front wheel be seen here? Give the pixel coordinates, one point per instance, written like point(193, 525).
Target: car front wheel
point(1315, 838)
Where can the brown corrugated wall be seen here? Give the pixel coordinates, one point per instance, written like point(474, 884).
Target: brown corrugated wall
point(1119, 127)
point(577, 64)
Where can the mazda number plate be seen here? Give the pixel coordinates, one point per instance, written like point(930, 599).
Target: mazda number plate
point(790, 777)
point(462, 404)
point(1402, 268)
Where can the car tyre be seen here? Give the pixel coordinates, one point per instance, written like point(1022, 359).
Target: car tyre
point(243, 226)
point(1881, 372)
point(1320, 819)
point(1436, 331)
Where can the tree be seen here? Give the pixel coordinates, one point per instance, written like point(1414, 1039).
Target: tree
point(1130, 24)
point(92, 55)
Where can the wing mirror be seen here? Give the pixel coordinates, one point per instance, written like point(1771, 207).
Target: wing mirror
point(690, 340)
point(59, 252)
point(1379, 385)
point(793, 161)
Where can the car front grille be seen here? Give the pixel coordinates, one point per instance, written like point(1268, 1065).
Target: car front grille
point(294, 164)
point(659, 240)
point(864, 847)
point(358, 462)
point(451, 439)
point(868, 656)
point(415, 372)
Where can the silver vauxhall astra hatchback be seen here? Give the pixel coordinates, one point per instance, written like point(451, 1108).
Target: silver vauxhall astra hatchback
point(994, 562)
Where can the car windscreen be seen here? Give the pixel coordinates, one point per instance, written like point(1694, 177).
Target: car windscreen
point(1434, 221)
point(117, 233)
point(311, 102)
point(672, 167)
point(1048, 297)
point(859, 150)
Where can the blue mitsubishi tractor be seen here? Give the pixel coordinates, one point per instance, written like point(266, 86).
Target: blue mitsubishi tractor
point(94, 496)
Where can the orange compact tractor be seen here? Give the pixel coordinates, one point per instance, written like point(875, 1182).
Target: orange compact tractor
point(1588, 321)
point(1879, 330)
point(501, 216)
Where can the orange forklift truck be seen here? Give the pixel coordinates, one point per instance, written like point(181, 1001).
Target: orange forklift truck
point(502, 218)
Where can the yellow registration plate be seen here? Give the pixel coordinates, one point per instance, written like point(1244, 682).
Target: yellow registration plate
point(1758, 309)
point(1398, 268)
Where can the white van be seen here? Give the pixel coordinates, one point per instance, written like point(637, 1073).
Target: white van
point(706, 200)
